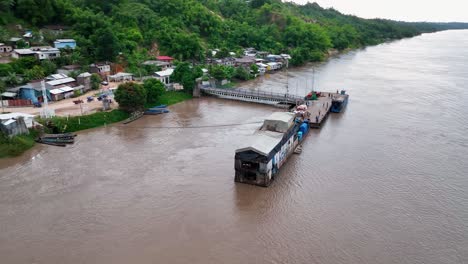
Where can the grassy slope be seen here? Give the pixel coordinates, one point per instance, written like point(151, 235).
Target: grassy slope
point(10, 147)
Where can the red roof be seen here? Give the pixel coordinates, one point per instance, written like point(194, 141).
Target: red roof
point(164, 58)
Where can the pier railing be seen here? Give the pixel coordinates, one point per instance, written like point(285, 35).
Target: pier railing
point(255, 95)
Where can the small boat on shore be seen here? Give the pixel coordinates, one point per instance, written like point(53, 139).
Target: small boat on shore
point(156, 111)
point(159, 106)
point(64, 135)
point(51, 143)
point(134, 116)
point(58, 140)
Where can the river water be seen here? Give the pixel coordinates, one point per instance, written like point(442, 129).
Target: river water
point(384, 182)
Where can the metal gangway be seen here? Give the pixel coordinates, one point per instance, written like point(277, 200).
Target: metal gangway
point(254, 96)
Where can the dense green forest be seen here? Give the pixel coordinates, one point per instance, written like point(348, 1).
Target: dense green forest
point(129, 30)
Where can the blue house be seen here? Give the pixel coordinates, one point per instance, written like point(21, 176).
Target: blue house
point(30, 91)
point(65, 43)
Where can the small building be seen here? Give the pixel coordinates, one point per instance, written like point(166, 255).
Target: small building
point(13, 126)
point(245, 62)
point(28, 119)
point(23, 53)
point(286, 56)
point(57, 83)
point(63, 92)
point(103, 69)
point(164, 76)
point(68, 69)
point(165, 58)
point(56, 76)
point(84, 79)
point(65, 44)
point(262, 68)
point(31, 91)
point(28, 34)
point(274, 58)
point(14, 41)
point(262, 54)
point(120, 77)
point(46, 53)
point(41, 53)
point(162, 64)
point(5, 48)
point(273, 66)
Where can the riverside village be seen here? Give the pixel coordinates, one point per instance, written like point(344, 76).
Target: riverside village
point(40, 104)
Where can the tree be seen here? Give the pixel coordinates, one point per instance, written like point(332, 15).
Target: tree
point(95, 81)
point(21, 44)
point(22, 64)
point(222, 53)
point(186, 75)
point(49, 67)
point(131, 96)
point(35, 73)
point(241, 73)
point(253, 69)
point(107, 44)
point(11, 79)
point(5, 69)
point(154, 89)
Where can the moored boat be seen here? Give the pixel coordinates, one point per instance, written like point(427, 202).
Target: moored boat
point(63, 135)
point(272, 144)
point(339, 102)
point(159, 106)
point(57, 140)
point(133, 117)
point(156, 111)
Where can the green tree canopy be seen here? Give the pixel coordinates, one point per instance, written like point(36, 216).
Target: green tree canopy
point(154, 89)
point(131, 96)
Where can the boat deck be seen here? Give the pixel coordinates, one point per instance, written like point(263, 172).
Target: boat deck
point(320, 108)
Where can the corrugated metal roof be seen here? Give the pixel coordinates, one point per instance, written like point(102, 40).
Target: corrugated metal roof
point(64, 40)
point(24, 51)
point(14, 115)
point(9, 94)
point(263, 142)
point(56, 91)
point(66, 89)
point(84, 74)
point(279, 122)
point(165, 73)
point(61, 81)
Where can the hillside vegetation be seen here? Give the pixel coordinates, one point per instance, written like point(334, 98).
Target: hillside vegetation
point(129, 30)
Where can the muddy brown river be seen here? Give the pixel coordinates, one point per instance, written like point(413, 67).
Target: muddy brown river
point(384, 182)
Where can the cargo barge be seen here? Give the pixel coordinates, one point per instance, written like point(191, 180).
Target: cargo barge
point(339, 102)
point(259, 162)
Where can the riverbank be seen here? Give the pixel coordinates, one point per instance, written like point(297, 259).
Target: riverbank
point(15, 146)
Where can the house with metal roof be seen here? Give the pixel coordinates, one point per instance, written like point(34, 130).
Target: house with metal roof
point(65, 44)
point(22, 53)
point(31, 91)
point(164, 76)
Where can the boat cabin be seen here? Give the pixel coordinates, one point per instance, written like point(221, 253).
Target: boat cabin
point(270, 146)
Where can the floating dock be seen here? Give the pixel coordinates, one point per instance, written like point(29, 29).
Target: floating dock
point(281, 135)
